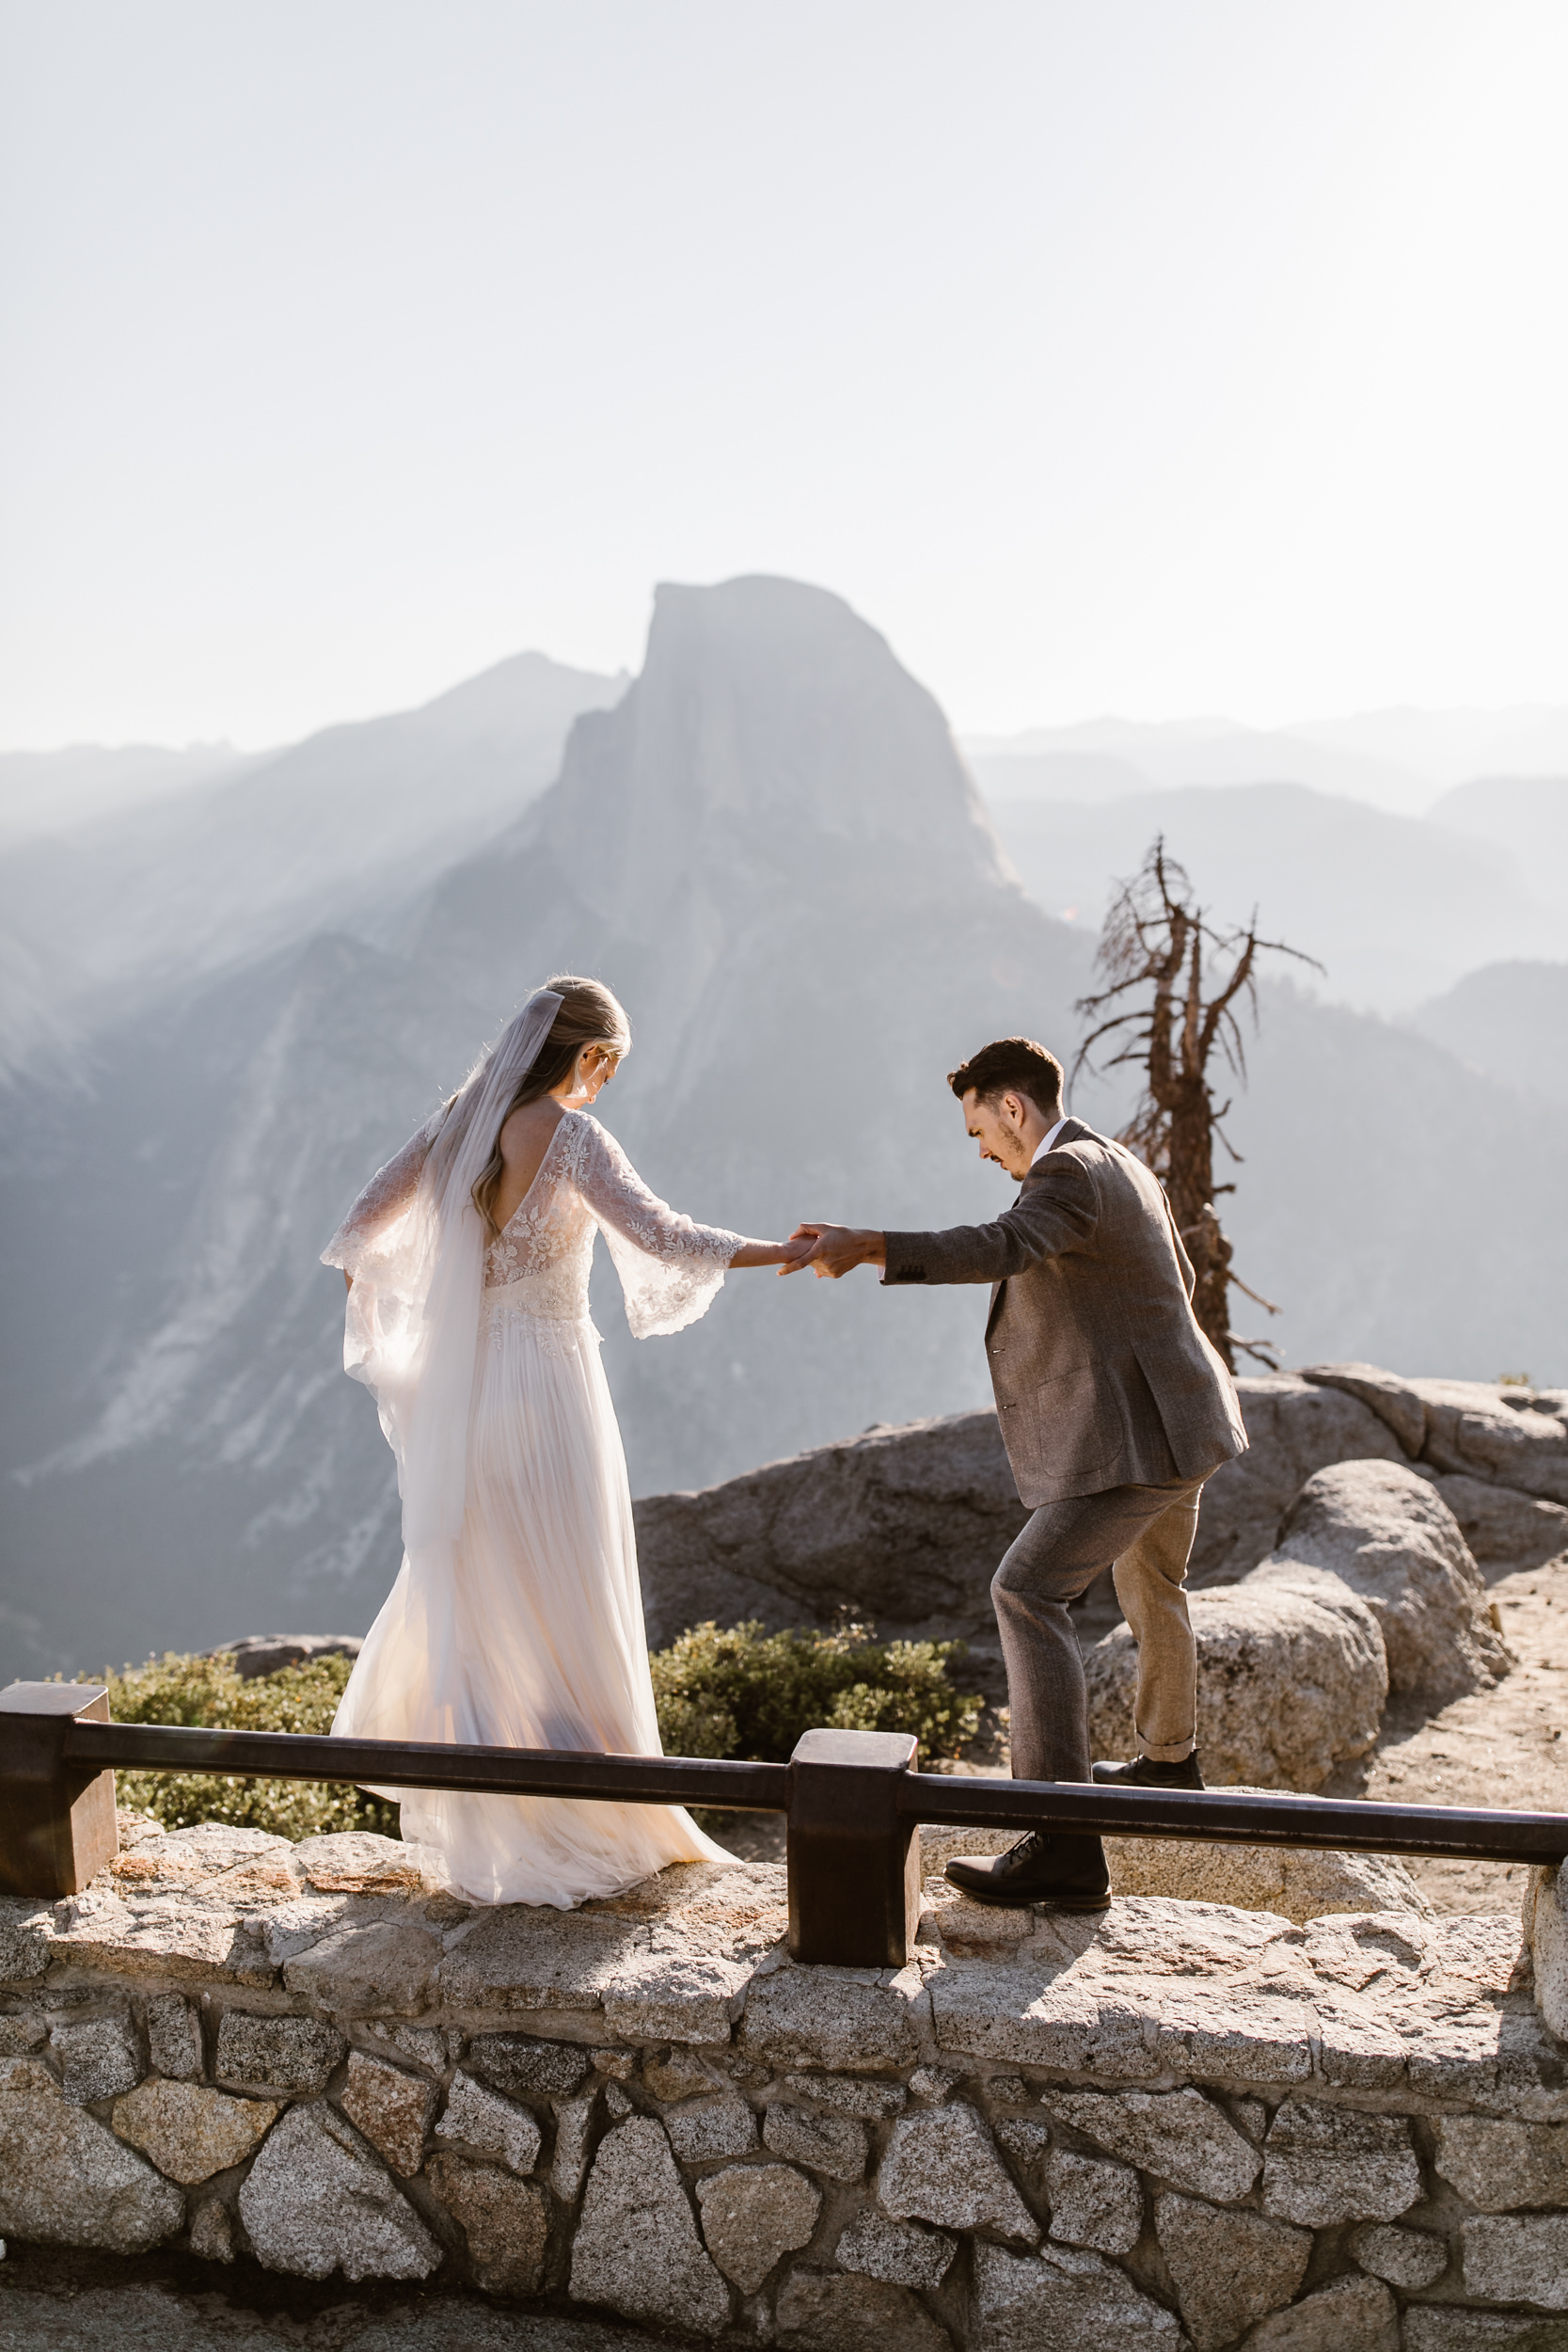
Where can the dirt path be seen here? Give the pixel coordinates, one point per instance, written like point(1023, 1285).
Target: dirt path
point(1501, 1747)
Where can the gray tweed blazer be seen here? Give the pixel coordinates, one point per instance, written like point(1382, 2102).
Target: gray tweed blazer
point(1103, 1377)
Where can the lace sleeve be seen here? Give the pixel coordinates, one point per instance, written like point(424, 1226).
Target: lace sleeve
point(382, 1202)
point(671, 1269)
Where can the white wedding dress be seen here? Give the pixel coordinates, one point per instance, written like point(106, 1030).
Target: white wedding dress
point(533, 1636)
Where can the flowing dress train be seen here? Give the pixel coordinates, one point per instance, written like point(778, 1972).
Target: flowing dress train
point(532, 1636)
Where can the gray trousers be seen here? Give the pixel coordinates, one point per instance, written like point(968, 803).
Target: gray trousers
point(1144, 1536)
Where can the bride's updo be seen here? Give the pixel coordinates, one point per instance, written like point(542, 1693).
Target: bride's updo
point(589, 1015)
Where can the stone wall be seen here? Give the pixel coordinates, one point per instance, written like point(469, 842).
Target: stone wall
point(1170, 2125)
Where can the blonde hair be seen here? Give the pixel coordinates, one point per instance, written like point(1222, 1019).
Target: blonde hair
point(590, 1015)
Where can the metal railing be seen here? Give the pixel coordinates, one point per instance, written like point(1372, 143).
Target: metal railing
point(851, 1800)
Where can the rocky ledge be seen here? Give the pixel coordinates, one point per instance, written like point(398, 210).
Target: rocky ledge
point(1176, 2123)
point(905, 1525)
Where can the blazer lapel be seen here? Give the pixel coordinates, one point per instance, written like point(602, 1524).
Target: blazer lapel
point(1071, 1131)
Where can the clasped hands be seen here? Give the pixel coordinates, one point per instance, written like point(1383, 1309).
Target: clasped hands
point(834, 1251)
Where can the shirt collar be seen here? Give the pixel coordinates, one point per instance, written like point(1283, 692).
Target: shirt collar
point(1047, 1142)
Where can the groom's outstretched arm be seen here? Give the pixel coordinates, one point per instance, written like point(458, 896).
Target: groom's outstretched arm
point(1057, 1210)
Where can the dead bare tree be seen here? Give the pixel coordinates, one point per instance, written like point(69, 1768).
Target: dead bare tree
point(1158, 937)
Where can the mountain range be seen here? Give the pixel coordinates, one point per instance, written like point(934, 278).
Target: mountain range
point(770, 846)
point(338, 830)
point(1402, 760)
point(1395, 909)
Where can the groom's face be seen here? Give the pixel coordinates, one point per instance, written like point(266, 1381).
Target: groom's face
point(997, 1126)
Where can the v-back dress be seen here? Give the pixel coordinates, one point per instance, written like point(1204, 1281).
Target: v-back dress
point(536, 1638)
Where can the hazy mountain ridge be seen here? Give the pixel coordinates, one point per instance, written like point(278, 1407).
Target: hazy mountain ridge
point(1398, 759)
point(336, 832)
point(1396, 908)
point(770, 847)
point(1509, 1021)
point(56, 792)
point(1527, 816)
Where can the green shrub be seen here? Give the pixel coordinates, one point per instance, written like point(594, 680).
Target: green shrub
point(209, 1693)
point(745, 1692)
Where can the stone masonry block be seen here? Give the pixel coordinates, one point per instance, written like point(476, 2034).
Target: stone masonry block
point(212, 2233)
point(391, 2108)
point(523, 2067)
point(1228, 2269)
point(637, 2247)
point(1064, 2301)
point(827, 2310)
point(1405, 2258)
point(676, 2074)
point(676, 1996)
point(1350, 2315)
point(504, 2220)
point(1093, 2203)
point(297, 2053)
point(833, 2018)
point(380, 1969)
point(490, 2126)
point(834, 2144)
point(96, 2059)
point(191, 2132)
point(872, 2102)
point(316, 2201)
point(573, 2120)
point(1518, 2258)
point(174, 2037)
point(1181, 2136)
point(943, 2166)
point(65, 2179)
point(703, 2130)
point(1499, 2166)
point(902, 2252)
point(753, 2215)
point(1027, 2146)
point(25, 1927)
point(1324, 2165)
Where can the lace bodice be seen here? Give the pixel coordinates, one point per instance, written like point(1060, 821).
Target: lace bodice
point(539, 1264)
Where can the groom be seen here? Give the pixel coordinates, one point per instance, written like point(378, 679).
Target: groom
point(1113, 1409)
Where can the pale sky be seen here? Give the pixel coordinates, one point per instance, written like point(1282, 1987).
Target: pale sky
point(1132, 355)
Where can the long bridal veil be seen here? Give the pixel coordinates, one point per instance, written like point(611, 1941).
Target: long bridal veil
point(412, 1329)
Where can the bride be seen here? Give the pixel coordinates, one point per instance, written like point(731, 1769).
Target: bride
point(517, 1619)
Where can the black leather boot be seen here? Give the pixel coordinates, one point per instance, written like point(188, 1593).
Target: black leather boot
point(1144, 1773)
point(1059, 1873)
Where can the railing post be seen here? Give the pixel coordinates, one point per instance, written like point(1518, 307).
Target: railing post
point(57, 1818)
point(853, 1860)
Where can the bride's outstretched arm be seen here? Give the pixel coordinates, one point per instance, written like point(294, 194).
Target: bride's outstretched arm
point(783, 1254)
point(670, 1268)
point(383, 1198)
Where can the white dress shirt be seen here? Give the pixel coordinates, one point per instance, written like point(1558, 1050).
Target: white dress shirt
point(1046, 1141)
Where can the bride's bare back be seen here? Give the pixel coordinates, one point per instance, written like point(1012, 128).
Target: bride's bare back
point(525, 1138)
point(524, 1141)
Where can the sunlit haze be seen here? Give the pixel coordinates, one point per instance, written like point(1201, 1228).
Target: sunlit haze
point(1112, 357)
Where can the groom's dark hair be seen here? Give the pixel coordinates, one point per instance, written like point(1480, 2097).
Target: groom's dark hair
point(1013, 1065)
